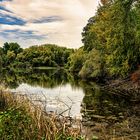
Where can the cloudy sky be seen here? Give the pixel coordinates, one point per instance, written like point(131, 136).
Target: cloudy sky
point(32, 22)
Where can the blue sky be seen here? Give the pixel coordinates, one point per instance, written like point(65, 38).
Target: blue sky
point(35, 22)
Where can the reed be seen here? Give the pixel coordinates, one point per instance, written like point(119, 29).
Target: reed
point(20, 119)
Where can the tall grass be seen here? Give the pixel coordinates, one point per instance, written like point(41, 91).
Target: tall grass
point(20, 119)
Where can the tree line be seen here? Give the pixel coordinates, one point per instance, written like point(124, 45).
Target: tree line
point(49, 55)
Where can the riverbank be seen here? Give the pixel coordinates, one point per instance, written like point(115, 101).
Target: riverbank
point(21, 119)
point(128, 87)
point(112, 111)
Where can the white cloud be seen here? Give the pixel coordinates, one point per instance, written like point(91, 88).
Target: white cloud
point(67, 32)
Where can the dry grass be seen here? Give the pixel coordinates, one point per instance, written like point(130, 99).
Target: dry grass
point(21, 119)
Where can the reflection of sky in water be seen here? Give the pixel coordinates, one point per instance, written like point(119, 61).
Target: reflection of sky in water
point(57, 99)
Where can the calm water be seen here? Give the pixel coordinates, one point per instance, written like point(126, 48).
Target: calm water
point(51, 88)
point(104, 113)
point(57, 99)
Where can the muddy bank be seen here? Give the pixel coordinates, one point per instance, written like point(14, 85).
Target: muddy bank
point(111, 112)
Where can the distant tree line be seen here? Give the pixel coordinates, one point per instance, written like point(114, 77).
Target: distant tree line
point(12, 55)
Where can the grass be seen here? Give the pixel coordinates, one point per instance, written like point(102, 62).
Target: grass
point(20, 119)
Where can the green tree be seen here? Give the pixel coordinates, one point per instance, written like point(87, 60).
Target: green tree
point(114, 36)
point(15, 47)
point(6, 47)
point(76, 60)
point(123, 52)
point(94, 39)
point(93, 66)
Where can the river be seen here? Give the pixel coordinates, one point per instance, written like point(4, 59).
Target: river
point(105, 115)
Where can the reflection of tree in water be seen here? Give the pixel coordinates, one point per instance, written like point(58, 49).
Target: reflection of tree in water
point(109, 113)
point(9, 78)
point(49, 78)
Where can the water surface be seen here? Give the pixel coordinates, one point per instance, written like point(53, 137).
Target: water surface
point(63, 99)
point(105, 113)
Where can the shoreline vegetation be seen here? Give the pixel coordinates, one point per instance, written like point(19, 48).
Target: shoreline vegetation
point(110, 55)
point(22, 119)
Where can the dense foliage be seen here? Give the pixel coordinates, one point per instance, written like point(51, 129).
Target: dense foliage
point(112, 40)
point(76, 60)
point(12, 55)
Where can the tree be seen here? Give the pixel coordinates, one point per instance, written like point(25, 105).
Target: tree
point(123, 52)
point(94, 39)
point(15, 47)
point(12, 47)
point(6, 47)
point(76, 60)
point(93, 66)
point(114, 32)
